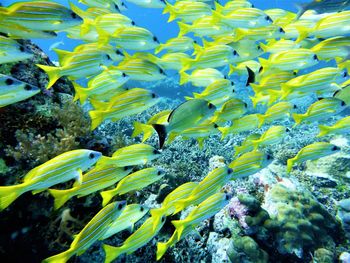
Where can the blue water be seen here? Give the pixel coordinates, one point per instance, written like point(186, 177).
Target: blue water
point(152, 19)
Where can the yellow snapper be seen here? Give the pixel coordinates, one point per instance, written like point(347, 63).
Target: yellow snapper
point(135, 154)
point(272, 81)
point(273, 135)
point(86, 66)
point(201, 77)
point(342, 126)
point(141, 69)
point(232, 6)
point(245, 123)
point(128, 103)
point(104, 85)
point(212, 57)
point(247, 49)
point(320, 110)
point(312, 152)
point(12, 51)
point(244, 18)
point(147, 128)
point(293, 59)
point(99, 177)
point(205, 26)
point(93, 231)
point(332, 25)
point(185, 116)
point(231, 110)
point(275, 46)
point(323, 6)
point(13, 90)
point(280, 17)
point(134, 38)
point(319, 81)
point(277, 111)
point(217, 92)
point(241, 68)
point(249, 163)
point(133, 182)
point(111, 5)
point(172, 61)
point(130, 215)
point(138, 239)
point(187, 11)
point(206, 209)
point(247, 145)
point(60, 169)
point(211, 184)
point(259, 33)
point(107, 24)
point(167, 208)
point(40, 15)
point(177, 44)
point(335, 47)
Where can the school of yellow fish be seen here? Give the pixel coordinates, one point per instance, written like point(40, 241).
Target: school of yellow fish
point(274, 51)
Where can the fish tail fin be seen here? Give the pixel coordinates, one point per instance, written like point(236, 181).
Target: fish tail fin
point(186, 64)
point(290, 164)
point(183, 28)
point(139, 128)
point(107, 196)
point(180, 226)
point(239, 34)
point(255, 100)
point(85, 28)
point(60, 196)
point(217, 16)
point(96, 118)
point(255, 144)
point(161, 249)
point(158, 49)
point(232, 70)
point(80, 93)
point(218, 7)
point(197, 49)
point(172, 12)
point(224, 132)
point(157, 216)
point(256, 88)
point(8, 194)
point(298, 118)
point(60, 258)
point(303, 33)
point(264, 63)
point(162, 133)
point(324, 130)
point(184, 77)
point(52, 72)
point(111, 252)
point(264, 47)
point(261, 120)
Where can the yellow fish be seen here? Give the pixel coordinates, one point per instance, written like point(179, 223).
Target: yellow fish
point(342, 126)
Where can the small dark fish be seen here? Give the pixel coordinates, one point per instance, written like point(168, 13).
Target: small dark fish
point(323, 6)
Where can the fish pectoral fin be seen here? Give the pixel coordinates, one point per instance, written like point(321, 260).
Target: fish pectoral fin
point(131, 228)
point(79, 177)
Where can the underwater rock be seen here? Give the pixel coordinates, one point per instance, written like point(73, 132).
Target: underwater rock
point(323, 256)
point(217, 247)
point(344, 214)
point(344, 257)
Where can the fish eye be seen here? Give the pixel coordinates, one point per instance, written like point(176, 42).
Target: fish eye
point(335, 148)
point(155, 39)
point(315, 57)
point(194, 41)
point(267, 18)
point(235, 53)
point(117, 8)
point(252, 6)
point(229, 171)
point(142, 209)
point(124, 75)
point(91, 155)
point(123, 4)
point(287, 129)
point(120, 206)
point(154, 95)
point(225, 77)
point(28, 87)
point(227, 197)
point(126, 168)
point(21, 49)
point(281, 30)
point(294, 73)
point(155, 151)
point(133, 23)
point(245, 105)
point(232, 83)
point(216, 126)
point(295, 106)
point(269, 157)
point(233, 90)
point(258, 47)
point(108, 57)
point(74, 15)
point(343, 103)
point(159, 172)
point(260, 69)
point(161, 71)
point(345, 74)
point(118, 52)
point(210, 106)
point(9, 81)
